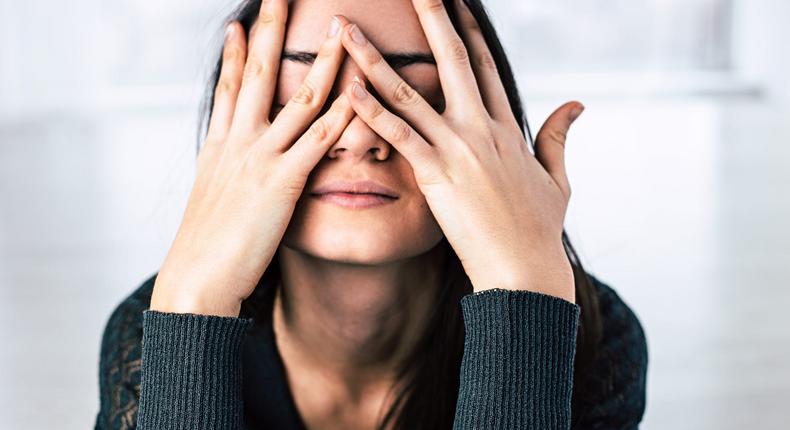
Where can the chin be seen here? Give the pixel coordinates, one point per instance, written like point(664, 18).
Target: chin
point(363, 237)
point(360, 244)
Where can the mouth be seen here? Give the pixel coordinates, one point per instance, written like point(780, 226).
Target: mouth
point(354, 200)
point(359, 187)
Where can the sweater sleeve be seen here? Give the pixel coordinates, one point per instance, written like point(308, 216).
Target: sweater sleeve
point(191, 371)
point(517, 367)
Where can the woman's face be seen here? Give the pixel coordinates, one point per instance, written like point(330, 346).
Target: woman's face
point(403, 227)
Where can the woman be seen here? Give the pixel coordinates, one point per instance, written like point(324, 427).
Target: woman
point(370, 243)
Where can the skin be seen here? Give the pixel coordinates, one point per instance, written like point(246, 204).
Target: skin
point(331, 257)
point(357, 284)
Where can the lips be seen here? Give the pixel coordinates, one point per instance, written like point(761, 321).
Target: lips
point(355, 201)
point(359, 187)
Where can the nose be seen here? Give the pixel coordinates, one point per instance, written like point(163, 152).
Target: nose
point(358, 141)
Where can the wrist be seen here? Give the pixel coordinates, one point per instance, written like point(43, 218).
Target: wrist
point(554, 278)
point(195, 305)
point(549, 272)
point(193, 302)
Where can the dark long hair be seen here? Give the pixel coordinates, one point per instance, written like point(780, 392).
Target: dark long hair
point(430, 379)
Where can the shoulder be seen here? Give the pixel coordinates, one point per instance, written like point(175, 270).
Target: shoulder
point(126, 320)
point(612, 390)
point(622, 329)
point(120, 359)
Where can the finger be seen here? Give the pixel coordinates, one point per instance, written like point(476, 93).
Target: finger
point(224, 102)
point(452, 58)
point(227, 90)
point(420, 154)
point(550, 143)
point(312, 94)
point(260, 70)
point(485, 69)
point(315, 142)
point(392, 88)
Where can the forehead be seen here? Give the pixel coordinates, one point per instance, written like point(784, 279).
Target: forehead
point(392, 25)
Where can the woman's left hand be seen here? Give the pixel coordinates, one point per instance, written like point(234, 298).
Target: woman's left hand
point(501, 208)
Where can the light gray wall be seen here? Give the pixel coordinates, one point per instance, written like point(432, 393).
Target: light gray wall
point(760, 49)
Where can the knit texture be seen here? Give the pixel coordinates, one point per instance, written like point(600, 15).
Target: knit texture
point(516, 372)
point(517, 369)
point(191, 371)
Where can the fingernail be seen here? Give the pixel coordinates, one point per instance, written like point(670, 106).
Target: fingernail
point(357, 36)
point(358, 91)
point(229, 30)
point(334, 27)
point(576, 112)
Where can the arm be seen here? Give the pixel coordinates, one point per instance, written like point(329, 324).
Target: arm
point(191, 371)
point(517, 368)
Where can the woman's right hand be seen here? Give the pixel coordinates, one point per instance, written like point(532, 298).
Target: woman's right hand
point(250, 171)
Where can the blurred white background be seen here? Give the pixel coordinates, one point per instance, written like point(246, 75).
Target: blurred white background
point(679, 167)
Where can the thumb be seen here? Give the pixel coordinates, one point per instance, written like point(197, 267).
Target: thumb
point(550, 143)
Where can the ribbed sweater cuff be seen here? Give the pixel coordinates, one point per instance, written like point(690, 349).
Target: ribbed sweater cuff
point(517, 368)
point(192, 371)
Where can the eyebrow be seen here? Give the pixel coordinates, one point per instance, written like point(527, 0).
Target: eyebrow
point(395, 60)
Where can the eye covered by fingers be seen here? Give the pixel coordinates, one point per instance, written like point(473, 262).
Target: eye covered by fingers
point(394, 91)
point(470, 82)
point(252, 70)
point(312, 96)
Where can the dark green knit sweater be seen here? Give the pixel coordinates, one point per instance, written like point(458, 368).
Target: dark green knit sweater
point(516, 372)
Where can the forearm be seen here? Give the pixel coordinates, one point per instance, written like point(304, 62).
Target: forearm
point(517, 368)
point(191, 371)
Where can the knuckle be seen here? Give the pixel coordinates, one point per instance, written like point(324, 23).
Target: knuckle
point(373, 57)
point(376, 112)
point(319, 131)
point(487, 61)
point(471, 23)
point(457, 51)
point(254, 68)
point(404, 94)
point(226, 86)
point(233, 53)
point(400, 132)
point(305, 95)
point(266, 17)
point(433, 6)
point(557, 135)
